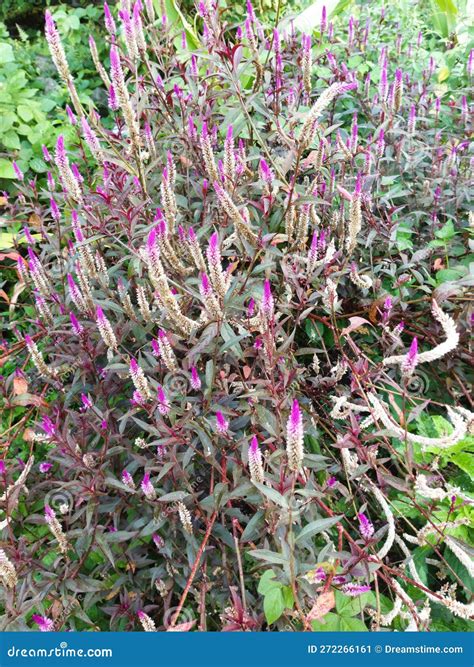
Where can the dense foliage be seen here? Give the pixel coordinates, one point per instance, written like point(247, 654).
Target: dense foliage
point(248, 353)
point(32, 101)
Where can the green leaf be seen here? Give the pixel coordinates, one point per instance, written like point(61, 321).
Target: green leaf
point(464, 461)
point(173, 496)
point(272, 494)
point(317, 527)
point(268, 556)
point(288, 598)
point(351, 606)
point(447, 231)
point(337, 623)
point(6, 240)
point(38, 165)
point(443, 74)
point(179, 22)
point(310, 18)
point(267, 582)
point(273, 605)
point(24, 112)
point(6, 171)
point(459, 569)
point(11, 140)
point(6, 53)
point(251, 529)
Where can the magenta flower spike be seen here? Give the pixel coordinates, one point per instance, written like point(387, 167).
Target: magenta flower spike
point(49, 513)
point(206, 288)
point(266, 173)
point(28, 237)
point(46, 423)
point(45, 467)
point(18, 172)
point(411, 359)
point(86, 401)
point(381, 144)
point(268, 304)
point(109, 20)
point(366, 528)
point(255, 462)
point(354, 590)
point(127, 478)
point(324, 21)
point(76, 326)
point(251, 308)
point(222, 425)
point(195, 379)
point(158, 540)
point(44, 623)
point(163, 403)
point(54, 209)
point(383, 84)
point(295, 437)
point(147, 487)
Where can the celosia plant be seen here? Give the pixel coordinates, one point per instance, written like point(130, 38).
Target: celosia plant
point(231, 319)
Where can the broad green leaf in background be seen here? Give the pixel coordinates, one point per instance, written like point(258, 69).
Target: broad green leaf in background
point(177, 19)
point(310, 18)
point(444, 16)
point(6, 169)
point(6, 53)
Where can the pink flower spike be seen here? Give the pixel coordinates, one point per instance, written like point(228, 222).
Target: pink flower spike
point(411, 358)
point(163, 403)
point(46, 154)
point(128, 479)
point(251, 308)
point(222, 424)
point(44, 623)
point(147, 487)
point(18, 172)
point(266, 173)
point(353, 590)
point(206, 288)
point(366, 527)
point(54, 210)
point(109, 20)
point(86, 401)
point(268, 304)
point(70, 115)
point(76, 326)
point(158, 540)
point(45, 467)
point(28, 237)
point(195, 379)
